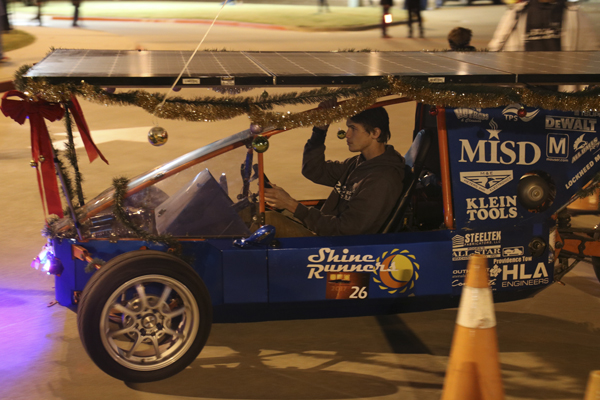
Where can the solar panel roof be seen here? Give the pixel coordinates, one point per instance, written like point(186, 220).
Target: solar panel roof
point(256, 69)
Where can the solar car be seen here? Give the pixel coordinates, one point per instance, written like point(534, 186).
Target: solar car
point(149, 265)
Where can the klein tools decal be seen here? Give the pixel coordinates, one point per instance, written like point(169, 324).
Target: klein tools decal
point(486, 181)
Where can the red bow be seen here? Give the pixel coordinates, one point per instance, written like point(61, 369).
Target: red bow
point(41, 145)
point(84, 131)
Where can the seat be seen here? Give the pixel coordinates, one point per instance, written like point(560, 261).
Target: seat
point(415, 159)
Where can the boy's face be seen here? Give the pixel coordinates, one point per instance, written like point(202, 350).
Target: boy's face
point(357, 137)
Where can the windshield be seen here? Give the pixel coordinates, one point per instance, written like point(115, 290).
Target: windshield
point(212, 191)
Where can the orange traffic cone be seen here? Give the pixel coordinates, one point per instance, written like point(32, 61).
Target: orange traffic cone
point(592, 392)
point(474, 368)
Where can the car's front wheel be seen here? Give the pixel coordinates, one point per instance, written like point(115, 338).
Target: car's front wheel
point(144, 316)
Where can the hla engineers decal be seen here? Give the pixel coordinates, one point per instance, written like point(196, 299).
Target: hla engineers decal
point(394, 271)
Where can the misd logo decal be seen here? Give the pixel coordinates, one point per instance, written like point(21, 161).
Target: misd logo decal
point(399, 272)
point(486, 181)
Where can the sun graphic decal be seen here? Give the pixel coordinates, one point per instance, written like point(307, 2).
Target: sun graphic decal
point(398, 272)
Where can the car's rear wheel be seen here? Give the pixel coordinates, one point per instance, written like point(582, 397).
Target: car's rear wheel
point(144, 316)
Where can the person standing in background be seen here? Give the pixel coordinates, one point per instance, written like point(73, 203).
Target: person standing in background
point(414, 10)
point(76, 4)
point(2, 15)
point(38, 17)
point(386, 4)
point(544, 25)
point(323, 6)
point(459, 39)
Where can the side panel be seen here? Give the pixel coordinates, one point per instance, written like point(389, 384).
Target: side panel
point(511, 264)
point(205, 258)
point(491, 150)
point(387, 266)
point(245, 276)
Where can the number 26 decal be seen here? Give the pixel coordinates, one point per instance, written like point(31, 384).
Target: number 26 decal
point(359, 292)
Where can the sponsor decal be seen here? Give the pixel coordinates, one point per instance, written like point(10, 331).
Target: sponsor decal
point(513, 251)
point(578, 176)
point(576, 124)
point(493, 131)
point(328, 260)
point(487, 243)
point(557, 147)
point(495, 207)
point(581, 146)
point(499, 152)
point(471, 115)
point(514, 275)
point(395, 272)
point(347, 285)
point(399, 272)
point(587, 113)
point(509, 259)
point(486, 181)
point(458, 283)
point(511, 113)
point(509, 275)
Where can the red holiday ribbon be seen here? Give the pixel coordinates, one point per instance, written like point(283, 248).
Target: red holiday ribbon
point(37, 111)
point(84, 131)
point(41, 145)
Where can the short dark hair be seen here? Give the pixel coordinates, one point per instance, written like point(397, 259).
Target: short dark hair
point(374, 118)
point(459, 38)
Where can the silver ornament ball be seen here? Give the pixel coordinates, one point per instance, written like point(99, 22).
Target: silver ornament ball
point(157, 136)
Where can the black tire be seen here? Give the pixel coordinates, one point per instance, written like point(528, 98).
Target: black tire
point(143, 304)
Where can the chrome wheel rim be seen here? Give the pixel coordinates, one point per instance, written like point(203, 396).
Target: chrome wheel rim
point(149, 322)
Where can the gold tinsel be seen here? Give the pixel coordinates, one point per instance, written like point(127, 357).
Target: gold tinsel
point(358, 98)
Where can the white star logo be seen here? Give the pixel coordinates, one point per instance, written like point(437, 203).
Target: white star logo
point(494, 131)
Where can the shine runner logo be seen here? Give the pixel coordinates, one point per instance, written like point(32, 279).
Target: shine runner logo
point(394, 271)
point(400, 272)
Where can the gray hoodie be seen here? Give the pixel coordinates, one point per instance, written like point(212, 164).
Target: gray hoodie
point(364, 194)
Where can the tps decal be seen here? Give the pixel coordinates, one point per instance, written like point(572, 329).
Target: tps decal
point(399, 273)
point(486, 181)
point(511, 113)
point(486, 243)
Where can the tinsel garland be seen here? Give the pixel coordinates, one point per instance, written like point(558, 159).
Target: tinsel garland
point(259, 108)
point(120, 185)
point(590, 188)
point(71, 155)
